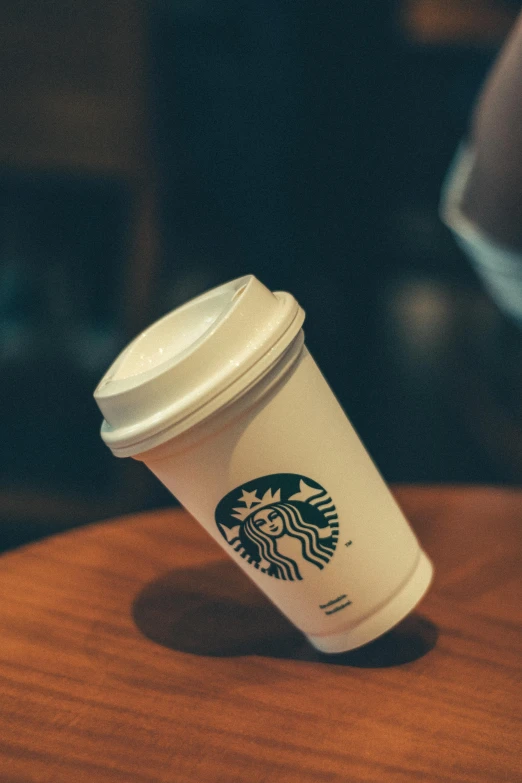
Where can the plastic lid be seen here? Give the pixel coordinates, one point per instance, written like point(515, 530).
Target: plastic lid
point(192, 362)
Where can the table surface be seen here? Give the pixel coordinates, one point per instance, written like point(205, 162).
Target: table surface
point(135, 651)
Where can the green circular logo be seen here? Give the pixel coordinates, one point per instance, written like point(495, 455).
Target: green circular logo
point(285, 525)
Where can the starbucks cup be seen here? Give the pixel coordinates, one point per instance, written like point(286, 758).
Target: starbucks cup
point(225, 405)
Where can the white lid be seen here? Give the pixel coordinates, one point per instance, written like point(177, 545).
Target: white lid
point(194, 361)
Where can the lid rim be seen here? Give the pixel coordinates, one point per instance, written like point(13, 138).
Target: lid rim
point(175, 395)
point(138, 434)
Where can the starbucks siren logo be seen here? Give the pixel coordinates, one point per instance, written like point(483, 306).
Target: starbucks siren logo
point(285, 525)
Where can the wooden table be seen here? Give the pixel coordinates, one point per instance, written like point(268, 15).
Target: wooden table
point(134, 651)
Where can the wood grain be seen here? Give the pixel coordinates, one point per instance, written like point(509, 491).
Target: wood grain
point(134, 651)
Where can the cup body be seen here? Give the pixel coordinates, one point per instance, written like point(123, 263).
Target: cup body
point(225, 405)
point(280, 479)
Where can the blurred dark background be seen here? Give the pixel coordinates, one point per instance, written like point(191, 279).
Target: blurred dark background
point(150, 150)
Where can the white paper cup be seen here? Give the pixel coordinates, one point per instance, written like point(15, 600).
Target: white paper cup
point(225, 405)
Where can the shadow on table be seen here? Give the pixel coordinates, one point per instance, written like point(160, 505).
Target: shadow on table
point(214, 610)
